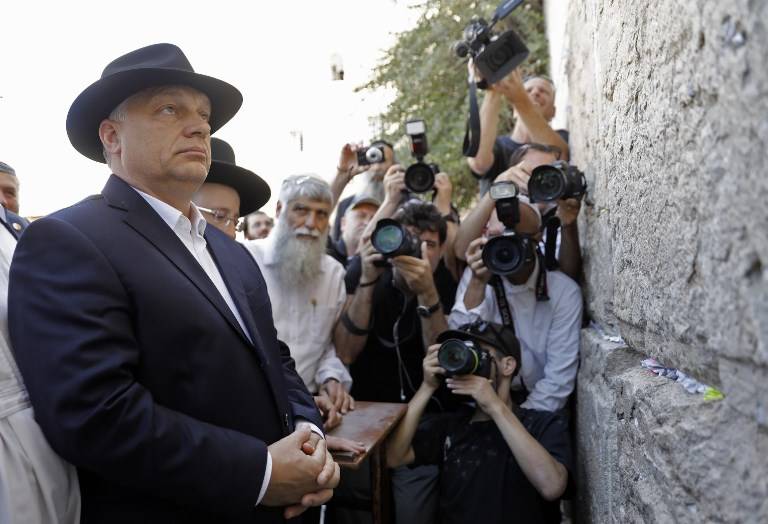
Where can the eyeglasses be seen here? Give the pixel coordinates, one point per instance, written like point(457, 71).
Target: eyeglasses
point(220, 216)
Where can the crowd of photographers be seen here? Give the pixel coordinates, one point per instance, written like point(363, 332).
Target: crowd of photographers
point(388, 295)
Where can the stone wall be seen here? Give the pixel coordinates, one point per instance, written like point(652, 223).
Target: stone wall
point(668, 113)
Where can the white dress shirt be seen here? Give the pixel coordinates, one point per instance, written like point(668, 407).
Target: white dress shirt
point(306, 315)
point(548, 332)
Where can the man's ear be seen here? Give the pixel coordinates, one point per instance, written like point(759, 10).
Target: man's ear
point(507, 366)
point(110, 136)
point(278, 208)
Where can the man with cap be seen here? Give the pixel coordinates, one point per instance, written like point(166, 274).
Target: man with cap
point(498, 462)
point(144, 337)
point(229, 191)
point(356, 218)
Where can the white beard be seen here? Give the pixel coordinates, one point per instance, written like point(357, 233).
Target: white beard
point(298, 259)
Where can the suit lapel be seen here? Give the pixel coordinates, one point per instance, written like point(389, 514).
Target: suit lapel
point(146, 222)
point(220, 247)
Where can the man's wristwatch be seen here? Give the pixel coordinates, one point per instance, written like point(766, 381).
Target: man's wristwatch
point(427, 312)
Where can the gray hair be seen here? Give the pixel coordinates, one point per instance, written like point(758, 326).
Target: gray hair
point(308, 186)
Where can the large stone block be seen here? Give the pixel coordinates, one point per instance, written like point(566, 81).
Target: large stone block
point(648, 451)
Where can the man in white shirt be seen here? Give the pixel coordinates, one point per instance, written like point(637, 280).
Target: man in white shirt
point(306, 286)
point(545, 308)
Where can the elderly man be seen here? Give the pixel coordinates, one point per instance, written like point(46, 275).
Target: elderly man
point(257, 225)
point(144, 337)
point(306, 285)
point(229, 191)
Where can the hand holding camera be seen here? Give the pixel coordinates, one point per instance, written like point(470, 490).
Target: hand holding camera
point(348, 161)
point(433, 373)
point(417, 273)
point(372, 262)
point(475, 260)
point(519, 174)
point(394, 184)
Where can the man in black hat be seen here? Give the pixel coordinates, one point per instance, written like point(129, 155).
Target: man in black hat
point(498, 462)
point(229, 191)
point(144, 337)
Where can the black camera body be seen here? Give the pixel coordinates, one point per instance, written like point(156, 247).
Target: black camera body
point(462, 357)
point(392, 239)
point(419, 176)
point(556, 181)
point(507, 253)
point(370, 155)
point(495, 55)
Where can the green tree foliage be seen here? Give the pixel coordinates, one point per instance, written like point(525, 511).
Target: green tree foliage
point(430, 82)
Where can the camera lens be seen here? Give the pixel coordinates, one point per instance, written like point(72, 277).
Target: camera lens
point(504, 255)
point(374, 155)
point(387, 238)
point(546, 184)
point(456, 358)
point(419, 178)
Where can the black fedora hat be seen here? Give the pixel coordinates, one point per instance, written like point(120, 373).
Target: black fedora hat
point(253, 190)
point(151, 66)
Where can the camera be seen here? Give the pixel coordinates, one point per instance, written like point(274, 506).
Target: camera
point(556, 181)
point(460, 357)
point(507, 253)
point(370, 155)
point(420, 176)
point(392, 239)
point(495, 55)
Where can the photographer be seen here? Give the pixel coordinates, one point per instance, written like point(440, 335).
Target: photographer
point(525, 159)
point(534, 107)
point(498, 462)
point(393, 314)
point(545, 307)
point(372, 175)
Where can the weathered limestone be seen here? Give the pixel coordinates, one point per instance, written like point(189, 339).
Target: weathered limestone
point(668, 113)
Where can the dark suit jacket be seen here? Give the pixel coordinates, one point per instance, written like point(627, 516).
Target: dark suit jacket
point(138, 372)
point(14, 223)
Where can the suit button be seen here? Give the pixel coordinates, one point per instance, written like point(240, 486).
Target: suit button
point(285, 419)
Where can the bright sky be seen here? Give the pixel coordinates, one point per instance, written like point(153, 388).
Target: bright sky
point(277, 53)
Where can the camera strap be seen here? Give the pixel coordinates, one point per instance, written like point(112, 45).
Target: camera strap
point(551, 225)
point(542, 291)
point(472, 130)
point(501, 300)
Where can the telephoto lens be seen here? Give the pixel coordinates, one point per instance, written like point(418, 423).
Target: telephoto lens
point(420, 177)
point(507, 253)
point(459, 357)
point(556, 181)
point(391, 239)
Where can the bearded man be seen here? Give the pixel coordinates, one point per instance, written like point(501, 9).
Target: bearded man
point(305, 285)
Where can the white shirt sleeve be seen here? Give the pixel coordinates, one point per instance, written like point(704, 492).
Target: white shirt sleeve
point(268, 470)
point(486, 310)
point(267, 478)
point(551, 392)
point(331, 366)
